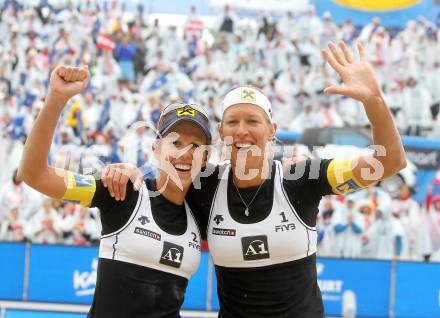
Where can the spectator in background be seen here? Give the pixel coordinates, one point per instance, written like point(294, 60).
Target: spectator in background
point(307, 119)
point(416, 103)
point(310, 26)
point(327, 115)
point(369, 29)
point(43, 229)
point(326, 232)
point(393, 95)
point(78, 226)
point(125, 53)
point(13, 227)
point(407, 210)
point(385, 236)
point(347, 222)
point(330, 32)
point(227, 20)
point(15, 194)
point(287, 25)
point(86, 228)
point(107, 73)
point(431, 227)
point(433, 84)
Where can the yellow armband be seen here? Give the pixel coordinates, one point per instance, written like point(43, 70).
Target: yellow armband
point(341, 178)
point(80, 189)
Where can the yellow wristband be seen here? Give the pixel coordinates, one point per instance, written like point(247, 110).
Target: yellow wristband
point(341, 178)
point(80, 189)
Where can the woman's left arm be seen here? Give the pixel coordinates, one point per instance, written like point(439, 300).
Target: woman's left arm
point(360, 83)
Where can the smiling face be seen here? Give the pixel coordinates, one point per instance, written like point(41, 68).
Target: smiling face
point(180, 154)
point(249, 128)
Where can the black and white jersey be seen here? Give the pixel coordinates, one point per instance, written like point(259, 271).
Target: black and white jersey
point(141, 241)
point(233, 244)
point(149, 248)
point(267, 265)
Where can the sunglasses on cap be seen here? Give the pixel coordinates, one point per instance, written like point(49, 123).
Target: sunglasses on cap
point(174, 113)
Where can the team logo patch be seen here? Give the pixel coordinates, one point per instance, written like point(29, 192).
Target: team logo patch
point(172, 255)
point(82, 180)
point(248, 94)
point(185, 111)
point(218, 219)
point(255, 247)
point(223, 232)
point(143, 219)
point(147, 233)
point(348, 186)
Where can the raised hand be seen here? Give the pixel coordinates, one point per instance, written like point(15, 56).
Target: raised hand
point(67, 81)
point(358, 77)
point(115, 177)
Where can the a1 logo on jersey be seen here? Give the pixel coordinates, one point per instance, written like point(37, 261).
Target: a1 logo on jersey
point(172, 255)
point(255, 247)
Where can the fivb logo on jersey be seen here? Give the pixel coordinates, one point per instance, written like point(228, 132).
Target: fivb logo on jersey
point(255, 247)
point(172, 255)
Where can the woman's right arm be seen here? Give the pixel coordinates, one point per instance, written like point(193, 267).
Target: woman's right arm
point(65, 82)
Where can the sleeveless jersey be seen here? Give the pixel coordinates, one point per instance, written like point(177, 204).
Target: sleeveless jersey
point(141, 241)
point(281, 237)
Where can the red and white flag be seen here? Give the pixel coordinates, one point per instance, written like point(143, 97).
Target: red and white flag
point(195, 26)
point(105, 42)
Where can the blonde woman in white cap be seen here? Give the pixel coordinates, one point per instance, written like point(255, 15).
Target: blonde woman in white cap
point(260, 221)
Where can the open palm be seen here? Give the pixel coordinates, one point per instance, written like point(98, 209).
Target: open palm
point(358, 77)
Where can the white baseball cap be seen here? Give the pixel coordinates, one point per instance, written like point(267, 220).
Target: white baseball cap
point(247, 95)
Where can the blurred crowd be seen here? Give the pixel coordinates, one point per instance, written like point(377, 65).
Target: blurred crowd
point(139, 64)
point(372, 224)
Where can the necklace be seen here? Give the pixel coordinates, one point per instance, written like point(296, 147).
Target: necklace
point(246, 211)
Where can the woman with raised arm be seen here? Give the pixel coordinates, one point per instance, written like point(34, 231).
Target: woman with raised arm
point(260, 221)
point(150, 242)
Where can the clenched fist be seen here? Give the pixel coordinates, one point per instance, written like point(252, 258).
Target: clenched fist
point(67, 81)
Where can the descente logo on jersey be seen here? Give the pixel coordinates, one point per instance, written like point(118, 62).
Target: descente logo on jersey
point(172, 255)
point(255, 247)
point(143, 219)
point(147, 233)
point(218, 219)
point(223, 232)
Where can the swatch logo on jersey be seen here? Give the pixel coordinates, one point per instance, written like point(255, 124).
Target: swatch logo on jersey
point(147, 233)
point(172, 255)
point(375, 5)
point(223, 232)
point(255, 247)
